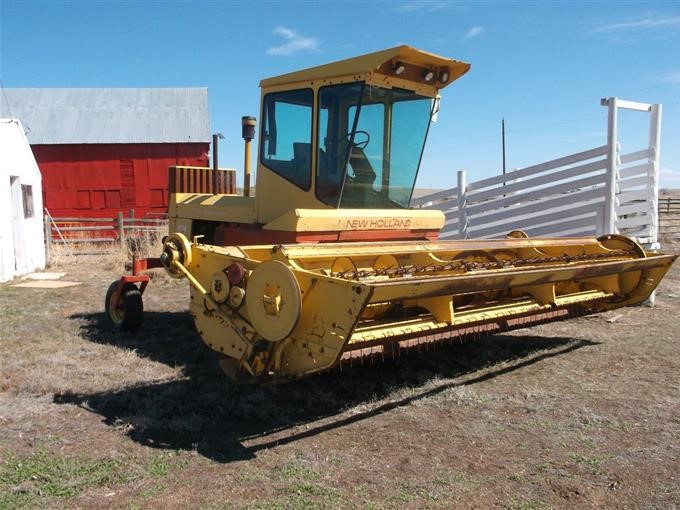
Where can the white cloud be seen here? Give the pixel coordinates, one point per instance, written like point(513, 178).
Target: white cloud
point(639, 24)
point(673, 77)
point(420, 5)
point(669, 178)
point(474, 32)
point(294, 43)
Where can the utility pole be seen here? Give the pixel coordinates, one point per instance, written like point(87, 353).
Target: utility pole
point(503, 142)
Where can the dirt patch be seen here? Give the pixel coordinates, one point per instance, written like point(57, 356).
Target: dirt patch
point(576, 414)
point(46, 284)
point(43, 276)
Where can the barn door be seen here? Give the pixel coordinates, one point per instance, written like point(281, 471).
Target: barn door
point(127, 184)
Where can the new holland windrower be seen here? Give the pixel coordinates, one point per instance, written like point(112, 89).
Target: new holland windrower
point(326, 263)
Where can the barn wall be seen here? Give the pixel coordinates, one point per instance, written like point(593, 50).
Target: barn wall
point(21, 234)
point(100, 180)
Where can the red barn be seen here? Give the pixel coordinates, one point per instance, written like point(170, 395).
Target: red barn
point(101, 151)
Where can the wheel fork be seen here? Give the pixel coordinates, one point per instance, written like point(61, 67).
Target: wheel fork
point(140, 266)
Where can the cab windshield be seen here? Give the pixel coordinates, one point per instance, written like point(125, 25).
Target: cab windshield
point(370, 142)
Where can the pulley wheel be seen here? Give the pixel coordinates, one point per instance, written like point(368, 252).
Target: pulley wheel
point(176, 247)
point(273, 300)
point(219, 286)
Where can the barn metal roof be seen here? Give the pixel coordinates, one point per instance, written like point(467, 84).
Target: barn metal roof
point(110, 115)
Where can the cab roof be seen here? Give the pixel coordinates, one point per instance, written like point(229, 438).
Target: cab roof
point(415, 61)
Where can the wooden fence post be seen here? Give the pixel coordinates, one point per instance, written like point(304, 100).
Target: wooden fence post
point(48, 239)
point(121, 229)
point(462, 206)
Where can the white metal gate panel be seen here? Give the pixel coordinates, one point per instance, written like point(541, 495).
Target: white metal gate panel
point(592, 192)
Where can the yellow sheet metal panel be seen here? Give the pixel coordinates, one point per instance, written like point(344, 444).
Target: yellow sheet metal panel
point(378, 63)
point(276, 196)
point(331, 309)
point(181, 225)
point(425, 325)
point(213, 207)
point(319, 220)
point(361, 251)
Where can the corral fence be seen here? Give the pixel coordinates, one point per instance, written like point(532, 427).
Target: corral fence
point(669, 217)
point(594, 192)
point(92, 236)
point(668, 205)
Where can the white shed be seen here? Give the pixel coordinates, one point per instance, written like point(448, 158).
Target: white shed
point(22, 241)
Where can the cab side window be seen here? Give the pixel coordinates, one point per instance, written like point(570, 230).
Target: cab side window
point(286, 146)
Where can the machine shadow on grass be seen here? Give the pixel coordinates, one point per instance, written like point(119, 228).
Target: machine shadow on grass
point(225, 421)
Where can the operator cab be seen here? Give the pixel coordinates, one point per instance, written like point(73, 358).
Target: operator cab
point(348, 135)
point(369, 142)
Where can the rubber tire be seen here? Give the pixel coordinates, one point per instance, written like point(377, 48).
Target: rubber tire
point(133, 307)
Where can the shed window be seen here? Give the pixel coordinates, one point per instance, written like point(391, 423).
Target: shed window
point(287, 135)
point(27, 195)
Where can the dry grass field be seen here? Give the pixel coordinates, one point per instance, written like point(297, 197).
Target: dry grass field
point(576, 414)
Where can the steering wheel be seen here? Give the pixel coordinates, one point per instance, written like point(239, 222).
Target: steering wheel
point(359, 145)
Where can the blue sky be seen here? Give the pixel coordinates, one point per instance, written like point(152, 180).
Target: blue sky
point(542, 65)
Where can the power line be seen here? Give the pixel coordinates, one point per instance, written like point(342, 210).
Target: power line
point(4, 96)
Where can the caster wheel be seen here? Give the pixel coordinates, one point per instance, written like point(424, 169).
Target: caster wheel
point(127, 313)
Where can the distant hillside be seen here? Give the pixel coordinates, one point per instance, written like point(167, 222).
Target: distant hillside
point(421, 192)
point(417, 193)
point(669, 193)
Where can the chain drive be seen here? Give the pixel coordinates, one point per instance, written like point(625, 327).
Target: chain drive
point(467, 265)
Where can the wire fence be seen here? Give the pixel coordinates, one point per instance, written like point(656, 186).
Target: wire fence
point(93, 236)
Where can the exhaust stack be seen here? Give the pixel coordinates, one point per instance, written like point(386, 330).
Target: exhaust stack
point(215, 140)
point(248, 133)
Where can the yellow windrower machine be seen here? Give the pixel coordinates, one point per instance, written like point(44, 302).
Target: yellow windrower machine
point(326, 263)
